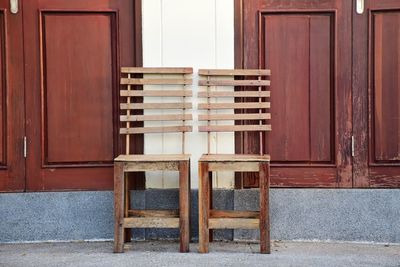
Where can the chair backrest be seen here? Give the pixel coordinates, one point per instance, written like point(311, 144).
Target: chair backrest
point(134, 83)
point(249, 89)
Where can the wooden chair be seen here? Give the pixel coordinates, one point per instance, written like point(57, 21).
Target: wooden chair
point(251, 89)
point(133, 82)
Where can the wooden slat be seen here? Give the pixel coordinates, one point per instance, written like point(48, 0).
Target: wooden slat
point(233, 223)
point(154, 213)
point(235, 94)
point(160, 81)
point(154, 157)
point(157, 70)
point(151, 222)
point(234, 128)
point(234, 72)
point(234, 214)
point(157, 93)
point(234, 82)
point(151, 166)
point(234, 157)
point(234, 117)
point(234, 166)
point(179, 105)
point(162, 129)
point(246, 105)
point(172, 117)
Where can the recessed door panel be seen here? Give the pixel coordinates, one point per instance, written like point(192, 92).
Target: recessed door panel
point(385, 93)
point(3, 92)
point(298, 47)
point(77, 94)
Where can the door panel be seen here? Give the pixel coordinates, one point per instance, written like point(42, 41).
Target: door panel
point(376, 103)
point(307, 46)
point(77, 107)
point(385, 93)
point(302, 92)
point(74, 50)
point(3, 89)
point(12, 162)
point(322, 90)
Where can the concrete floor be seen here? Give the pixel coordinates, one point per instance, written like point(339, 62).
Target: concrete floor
point(164, 253)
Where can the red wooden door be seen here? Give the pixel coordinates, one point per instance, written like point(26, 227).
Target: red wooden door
point(12, 162)
point(73, 51)
point(376, 83)
point(307, 46)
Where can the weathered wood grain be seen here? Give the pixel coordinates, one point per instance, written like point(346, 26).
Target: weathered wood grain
point(233, 223)
point(151, 222)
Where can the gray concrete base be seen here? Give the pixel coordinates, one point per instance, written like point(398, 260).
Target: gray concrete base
point(328, 214)
point(164, 253)
point(371, 215)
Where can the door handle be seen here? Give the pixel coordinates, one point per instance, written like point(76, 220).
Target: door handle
point(14, 6)
point(360, 6)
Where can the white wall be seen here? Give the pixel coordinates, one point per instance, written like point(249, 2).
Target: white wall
point(188, 33)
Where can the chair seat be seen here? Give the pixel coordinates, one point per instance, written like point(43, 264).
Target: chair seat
point(234, 157)
point(153, 158)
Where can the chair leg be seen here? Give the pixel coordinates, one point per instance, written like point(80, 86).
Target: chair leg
point(118, 207)
point(203, 207)
point(265, 242)
point(184, 205)
point(128, 232)
point(190, 203)
point(210, 197)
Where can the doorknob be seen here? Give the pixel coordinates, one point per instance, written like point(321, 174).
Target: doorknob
point(360, 6)
point(14, 6)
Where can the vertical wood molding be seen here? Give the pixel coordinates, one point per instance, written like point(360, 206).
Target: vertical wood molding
point(138, 180)
point(138, 33)
point(238, 33)
point(238, 48)
point(12, 168)
point(360, 101)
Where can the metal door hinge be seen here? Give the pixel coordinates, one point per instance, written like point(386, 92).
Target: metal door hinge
point(14, 6)
point(352, 146)
point(25, 147)
point(360, 6)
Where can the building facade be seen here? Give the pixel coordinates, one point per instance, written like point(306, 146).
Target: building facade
point(335, 86)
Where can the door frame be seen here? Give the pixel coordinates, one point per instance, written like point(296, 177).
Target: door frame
point(362, 104)
point(344, 168)
point(138, 140)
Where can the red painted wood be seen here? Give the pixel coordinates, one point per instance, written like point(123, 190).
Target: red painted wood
point(376, 95)
point(3, 89)
point(321, 90)
point(384, 177)
point(307, 46)
point(12, 118)
point(304, 177)
point(287, 40)
point(77, 110)
point(74, 50)
point(386, 87)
